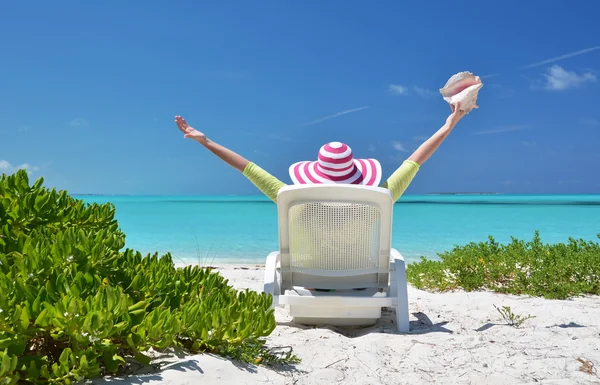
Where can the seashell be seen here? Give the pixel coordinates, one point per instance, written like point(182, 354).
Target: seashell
point(462, 87)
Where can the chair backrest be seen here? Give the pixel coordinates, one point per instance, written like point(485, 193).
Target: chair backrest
point(334, 236)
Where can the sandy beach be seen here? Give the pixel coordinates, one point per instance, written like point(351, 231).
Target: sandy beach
point(456, 338)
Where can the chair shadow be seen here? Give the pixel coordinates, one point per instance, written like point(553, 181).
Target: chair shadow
point(385, 325)
point(565, 326)
point(424, 325)
point(489, 325)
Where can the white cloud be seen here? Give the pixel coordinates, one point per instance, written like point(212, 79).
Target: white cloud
point(590, 122)
point(79, 123)
point(282, 138)
point(399, 146)
point(425, 93)
point(565, 56)
point(514, 127)
point(398, 89)
point(558, 79)
point(503, 92)
point(527, 143)
point(241, 74)
point(7, 168)
point(334, 116)
point(488, 76)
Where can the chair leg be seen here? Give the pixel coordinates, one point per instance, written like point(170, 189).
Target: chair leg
point(402, 316)
point(271, 282)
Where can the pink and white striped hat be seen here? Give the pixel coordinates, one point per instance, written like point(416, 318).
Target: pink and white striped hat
point(336, 164)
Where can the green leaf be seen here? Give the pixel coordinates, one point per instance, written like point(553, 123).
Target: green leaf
point(24, 319)
point(137, 316)
point(83, 363)
point(5, 343)
point(8, 364)
point(142, 359)
point(32, 371)
point(138, 305)
point(41, 319)
point(64, 358)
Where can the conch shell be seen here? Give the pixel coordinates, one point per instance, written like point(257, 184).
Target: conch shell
point(462, 87)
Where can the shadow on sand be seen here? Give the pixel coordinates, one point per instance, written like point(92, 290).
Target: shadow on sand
point(386, 325)
point(139, 374)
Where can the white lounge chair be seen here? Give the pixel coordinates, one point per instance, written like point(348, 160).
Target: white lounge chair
point(337, 238)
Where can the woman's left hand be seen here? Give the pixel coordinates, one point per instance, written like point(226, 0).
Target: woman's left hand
point(456, 115)
point(188, 131)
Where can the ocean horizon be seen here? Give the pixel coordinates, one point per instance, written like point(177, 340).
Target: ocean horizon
point(243, 228)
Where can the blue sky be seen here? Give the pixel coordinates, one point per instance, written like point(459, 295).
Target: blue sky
point(88, 91)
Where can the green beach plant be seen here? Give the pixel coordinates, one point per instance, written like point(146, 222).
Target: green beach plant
point(511, 318)
point(75, 304)
point(557, 271)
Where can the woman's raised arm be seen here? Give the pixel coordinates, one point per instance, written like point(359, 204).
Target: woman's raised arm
point(264, 181)
point(427, 149)
point(231, 158)
point(399, 181)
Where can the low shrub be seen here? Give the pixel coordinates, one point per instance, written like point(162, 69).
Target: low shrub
point(557, 271)
point(75, 304)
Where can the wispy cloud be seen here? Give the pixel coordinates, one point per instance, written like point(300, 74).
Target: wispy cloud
point(527, 143)
point(488, 76)
point(257, 134)
point(241, 74)
point(559, 79)
point(424, 92)
point(334, 116)
point(233, 74)
point(502, 92)
point(79, 123)
point(372, 148)
point(569, 181)
point(399, 146)
point(7, 168)
point(398, 89)
point(282, 138)
point(565, 56)
point(514, 127)
point(18, 129)
point(590, 122)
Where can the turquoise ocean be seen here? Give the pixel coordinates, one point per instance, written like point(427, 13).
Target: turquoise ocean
point(243, 229)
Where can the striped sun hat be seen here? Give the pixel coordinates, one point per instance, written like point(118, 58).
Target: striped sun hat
point(336, 164)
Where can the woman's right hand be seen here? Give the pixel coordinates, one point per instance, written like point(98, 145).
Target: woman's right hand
point(188, 131)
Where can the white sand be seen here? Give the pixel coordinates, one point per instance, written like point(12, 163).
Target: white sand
point(456, 338)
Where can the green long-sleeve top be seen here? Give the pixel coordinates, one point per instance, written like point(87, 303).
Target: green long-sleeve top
point(270, 185)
